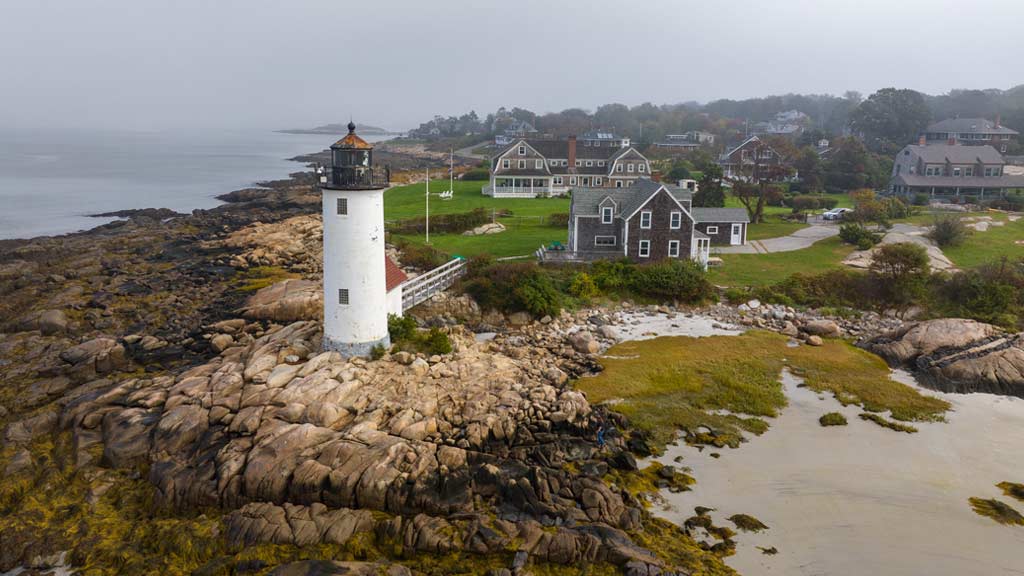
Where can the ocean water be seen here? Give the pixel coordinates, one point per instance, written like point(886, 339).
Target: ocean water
point(50, 181)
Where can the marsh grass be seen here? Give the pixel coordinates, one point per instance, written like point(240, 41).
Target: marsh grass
point(881, 421)
point(1012, 489)
point(258, 277)
point(832, 419)
point(730, 384)
point(997, 510)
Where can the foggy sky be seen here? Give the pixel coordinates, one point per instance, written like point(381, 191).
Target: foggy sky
point(147, 64)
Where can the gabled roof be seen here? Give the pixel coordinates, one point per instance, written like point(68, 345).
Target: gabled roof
point(393, 275)
point(586, 201)
point(956, 154)
point(725, 155)
point(737, 215)
point(970, 126)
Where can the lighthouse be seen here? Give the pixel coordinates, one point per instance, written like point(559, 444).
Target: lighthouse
point(355, 276)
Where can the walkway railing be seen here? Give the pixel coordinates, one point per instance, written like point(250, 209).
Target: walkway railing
point(523, 191)
point(424, 286)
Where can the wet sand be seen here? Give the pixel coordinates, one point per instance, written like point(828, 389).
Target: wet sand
point(862, 499)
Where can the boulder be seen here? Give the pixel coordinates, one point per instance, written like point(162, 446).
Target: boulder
point(220, 342)
point(813, 340)
point(824, 328)
point(286, 301)
point(584, 342)
point(53, 322)
point(905, 344)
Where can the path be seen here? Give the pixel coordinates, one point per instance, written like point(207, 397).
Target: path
point(467, 152)
point(798, 240)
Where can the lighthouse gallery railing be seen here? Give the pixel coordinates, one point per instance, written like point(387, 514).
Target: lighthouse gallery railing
point(426, 285)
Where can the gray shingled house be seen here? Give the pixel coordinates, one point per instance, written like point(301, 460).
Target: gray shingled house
point(949, 170)
point(646, 222)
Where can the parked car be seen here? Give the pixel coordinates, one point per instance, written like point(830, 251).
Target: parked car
point(836, 213)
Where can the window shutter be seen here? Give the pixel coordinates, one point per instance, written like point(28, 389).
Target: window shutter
point(343, 296)
point(343, 206)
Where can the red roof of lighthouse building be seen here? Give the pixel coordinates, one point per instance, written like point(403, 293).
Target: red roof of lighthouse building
point(393, 274)
point(352, 141)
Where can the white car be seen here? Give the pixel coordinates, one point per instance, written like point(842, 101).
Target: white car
point(836, 213)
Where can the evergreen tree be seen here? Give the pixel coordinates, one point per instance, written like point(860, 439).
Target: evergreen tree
point(709, 190)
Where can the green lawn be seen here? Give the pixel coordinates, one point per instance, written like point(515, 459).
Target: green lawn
point(526, 227)
point(773, 227)
point(763, 269)
point(990, 245)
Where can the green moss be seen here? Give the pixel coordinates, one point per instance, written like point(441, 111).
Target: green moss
point(729, 384)
point(896, 426)
point(747, 523)
point(670, 543)
point(260, 277)
point(996, 510)
point(648, 482)
point(832, 419)
point(1012, 490)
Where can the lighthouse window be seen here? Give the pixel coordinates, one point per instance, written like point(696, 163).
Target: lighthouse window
point(343, 296)
point(343, 206)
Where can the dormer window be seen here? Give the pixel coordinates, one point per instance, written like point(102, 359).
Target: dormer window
point(590, 163)
point(607, 213)
point(539, 165)
point(505, 163)
point(522, 150)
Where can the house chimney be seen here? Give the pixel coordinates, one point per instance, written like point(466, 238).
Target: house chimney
point(572, 154)
point(922, 140)
point(999, 120)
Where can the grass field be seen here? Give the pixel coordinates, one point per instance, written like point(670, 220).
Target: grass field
point(773, 227)
point(764, 269)
point(673, 383)
point(990, 245)
point(527, 227)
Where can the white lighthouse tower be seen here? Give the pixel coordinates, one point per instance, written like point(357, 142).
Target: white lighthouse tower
point(355, 285)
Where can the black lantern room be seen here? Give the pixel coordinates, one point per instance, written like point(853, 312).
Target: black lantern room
point(352, 165)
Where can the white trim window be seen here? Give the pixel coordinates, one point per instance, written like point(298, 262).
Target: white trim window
point(558, 180)
point(600, 162)
point(645, 220)
point(607, 214)
point(572, 180)
point(712, 230)
point(522, 164)
point(506, 164)
point(677, 220)
point(579, 163)
point(585, 180)
point(590, 163)
point(618, 167)
point(629, 167)
point(642, 167)
point(597, 180)
point(604, 241)
point(565, 162)
point(553, 162)
point(645, 249)
point(522, 150)
point(539, 164)
point(673, 248)
point(618, 183)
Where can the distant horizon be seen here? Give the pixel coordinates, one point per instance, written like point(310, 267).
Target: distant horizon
point(396, 128)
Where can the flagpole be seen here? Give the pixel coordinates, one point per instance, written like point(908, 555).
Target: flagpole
point(451, 172)
point(428, 206)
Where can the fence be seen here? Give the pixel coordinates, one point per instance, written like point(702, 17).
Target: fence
point(426, 285)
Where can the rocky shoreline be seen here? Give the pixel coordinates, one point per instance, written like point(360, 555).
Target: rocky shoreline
point(169, 366)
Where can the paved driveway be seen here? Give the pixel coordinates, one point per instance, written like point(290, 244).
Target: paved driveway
point(798, 240)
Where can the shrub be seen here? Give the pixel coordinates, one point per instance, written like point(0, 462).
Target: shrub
point(512, 287)
point(948, 230)
point(405, 335)
point(558, 219)
point(921, 199)
point(682, 280)
point(476, 174)
point(832, 419)
point(452, 223)
point(812, 202)
point(538, 295)
point(582, 286)
point(421, 256)
point(900, 270)
point(859, 236)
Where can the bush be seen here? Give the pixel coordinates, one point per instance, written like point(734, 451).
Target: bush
point(900, 271)
point(513, 287)
point(812, 202)
point(948, 230)
point(921, 199)
point(476, 174)
point(682, 280)
point(451, 223)
point(420, 255)
point(859, 236)
point(405, 335)
point(583, 286)
point(558, 219)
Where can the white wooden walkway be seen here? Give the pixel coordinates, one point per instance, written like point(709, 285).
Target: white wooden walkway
point(418, 289)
